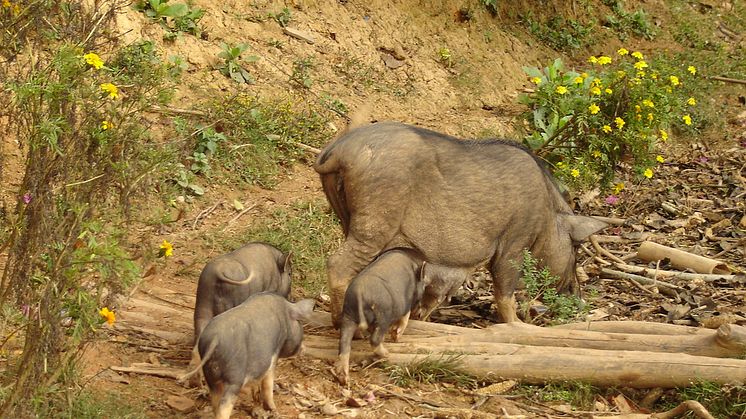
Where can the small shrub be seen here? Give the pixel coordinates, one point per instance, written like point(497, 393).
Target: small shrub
point(283, 18)
point(561, 34)
point(302, 72)
point(540, 286)
point(231, 66)
point(174, 17)
point(625, 23)
point(585, 123)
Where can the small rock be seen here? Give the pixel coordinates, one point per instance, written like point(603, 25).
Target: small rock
point(390, 61)
point(298, 34)
point(180, 404)
point(353, 402)
point(329, 409)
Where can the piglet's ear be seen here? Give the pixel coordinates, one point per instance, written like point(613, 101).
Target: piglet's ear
point(287, 265)
point(424, 277)
point(302, 309)
point(579, 227)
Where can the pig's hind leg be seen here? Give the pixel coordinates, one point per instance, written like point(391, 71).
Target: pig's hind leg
point(397, 329)
point(223, 397)
point(267, 383)
point(376, 339)
point(342, 365)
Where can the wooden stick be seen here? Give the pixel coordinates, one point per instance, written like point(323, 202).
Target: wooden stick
point(728, 79)
point(170, 110)
point(688, 276)
point(205, 213)
point(664, 287)
point(603, 251)
point(149, 369)
point(307, 147)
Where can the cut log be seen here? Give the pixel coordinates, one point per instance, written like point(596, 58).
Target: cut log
point(650, 251)
point(488, 353)
point(635, 327)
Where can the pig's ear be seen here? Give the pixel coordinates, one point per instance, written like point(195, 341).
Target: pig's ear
point(580, 227)
point(287, 265)
point(302, 309)
point(424, 278)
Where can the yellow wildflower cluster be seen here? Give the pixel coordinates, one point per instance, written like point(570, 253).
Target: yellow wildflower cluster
point(108, 315)
point(14, 8)
point(94, 60)
point(111, 89)
point(166, 249)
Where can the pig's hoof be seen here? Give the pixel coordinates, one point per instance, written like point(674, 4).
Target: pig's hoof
point(381, 351)
point(341, 373)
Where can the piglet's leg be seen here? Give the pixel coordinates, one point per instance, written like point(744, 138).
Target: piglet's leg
point(376, 340)
point(398, 329)
point(267, 386)
point(342, 366)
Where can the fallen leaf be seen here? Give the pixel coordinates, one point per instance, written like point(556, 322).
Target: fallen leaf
point(238, 205)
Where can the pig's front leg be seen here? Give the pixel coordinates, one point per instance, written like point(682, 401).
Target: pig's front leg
point(267, 386)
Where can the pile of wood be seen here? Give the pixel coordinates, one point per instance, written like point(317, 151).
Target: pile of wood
point(630, 354)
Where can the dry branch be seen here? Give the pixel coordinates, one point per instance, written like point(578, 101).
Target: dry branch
point(664, 287)
point(150, 369)
point(661, 274)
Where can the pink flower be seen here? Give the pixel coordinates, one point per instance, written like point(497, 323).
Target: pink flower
point(26, 198)
point(612, 199)
point(703, 159)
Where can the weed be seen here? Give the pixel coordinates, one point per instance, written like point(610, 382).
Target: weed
point(333, 104)
point(207, 144)
point(722, 401)
point(309, 231)
point(540, 285)
point(561, 34)
point(262, 137)
point(577, 394)
point(276, 43)
point(231, 67)
point(176, 66)
point(445, 57)
point(624, 22)
point(302, 72)
point(444, 369)
point(283, 17)
point(174, 17)
point(491, 6)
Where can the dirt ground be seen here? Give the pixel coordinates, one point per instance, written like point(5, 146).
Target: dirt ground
point(352, 43)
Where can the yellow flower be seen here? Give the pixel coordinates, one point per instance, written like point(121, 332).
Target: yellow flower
point(592, 59)
point(536, 80)
point(167, 249)
point(621, 73)
point(648, 173)
point(622, 51)
point(659, 159)
point(93, 60)
point(619, 122)
point(641, 74)
point(584, 75)
point(108, 315)
point(654, 76)
point(595, 90)
point(106, 125)
point(561, 90)
point(596, 82)
point(674, 80)
point(596, 153)
point(687, 119)
point(606, 128)
point(594, 109)
point(649, 103)
point(16, 9)
point(638, 109)
point(691, 69)
point(112, 90)
point(618, 188)
point(575, 173)
point(603, 60)
point(7, 4)
point(578, 80)
point(608, 91)
point(691, 101)
point(664, 135)
point(650, 117)
point(640, 65)
point(560, 164)
point(638, 55)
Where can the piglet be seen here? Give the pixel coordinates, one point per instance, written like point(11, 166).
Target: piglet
point(380, 299)
point(229, 279)
point(241, 347)
point(443, 282)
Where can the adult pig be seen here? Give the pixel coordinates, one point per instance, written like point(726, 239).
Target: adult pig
point(459, 203)
point(380, 299)
point(442, 283)
point(241, 347)
point(229, 279)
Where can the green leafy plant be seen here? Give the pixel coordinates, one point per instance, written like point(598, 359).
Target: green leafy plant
point(231, 65)
point(560, 33)
point(185, 179)
point(283, 17)
point(491, 6)
point(207, 143)
point(585, 123)
point(445, 57)
point(175, 17)
point(302, 72)
point(541, 286)
point(444, 369)
point(333, 104)
point(624, 22)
